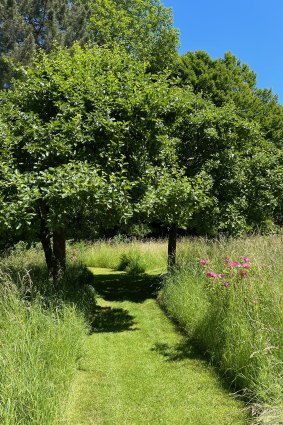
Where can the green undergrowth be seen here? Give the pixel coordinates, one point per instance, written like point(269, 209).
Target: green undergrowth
point(42, 336)
point(235, 317)
point(238, 326)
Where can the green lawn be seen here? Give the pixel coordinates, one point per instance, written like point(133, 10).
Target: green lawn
point(139, 370)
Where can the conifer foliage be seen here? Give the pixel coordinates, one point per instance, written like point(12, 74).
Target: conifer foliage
point(26, 25)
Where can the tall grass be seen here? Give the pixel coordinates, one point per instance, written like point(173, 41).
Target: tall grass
point(41, 339)
point(239, 326)
point(236, 321)
point(133, 256)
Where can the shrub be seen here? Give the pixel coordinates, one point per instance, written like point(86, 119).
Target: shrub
point(132, 263)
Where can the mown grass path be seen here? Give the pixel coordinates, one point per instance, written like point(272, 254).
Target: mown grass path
point(139, 370)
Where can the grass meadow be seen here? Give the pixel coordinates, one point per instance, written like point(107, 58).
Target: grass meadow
point(42, 339)
point(225, 295)
point(235, 321)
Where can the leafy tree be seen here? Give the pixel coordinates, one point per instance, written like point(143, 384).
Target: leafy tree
point(143, 27)
point(171, 199)
point(77, 133)
point(228, 80)
point(219, 142)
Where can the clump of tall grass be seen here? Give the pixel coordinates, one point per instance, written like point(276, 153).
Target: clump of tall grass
point(233, 311)
point(40, 347)
point(42, 333)
point(27, 269)
point(132, 263)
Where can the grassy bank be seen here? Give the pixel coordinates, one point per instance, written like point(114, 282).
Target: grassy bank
point(228, 298)
point(42, 337)
point(132, 257)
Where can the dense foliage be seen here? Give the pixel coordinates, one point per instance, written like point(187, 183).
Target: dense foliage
point(91, 134)
point(228, 80)
point(144, 29)
point(71, 128)
point(104, 128)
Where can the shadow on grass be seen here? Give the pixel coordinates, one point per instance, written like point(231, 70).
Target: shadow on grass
point(188, 350)
point(178, 352)
point(124, 287)
point(109, 319)
point(121, 287)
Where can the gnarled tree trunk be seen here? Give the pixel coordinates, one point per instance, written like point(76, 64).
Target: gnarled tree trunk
point(55, 253)
point(45, 238)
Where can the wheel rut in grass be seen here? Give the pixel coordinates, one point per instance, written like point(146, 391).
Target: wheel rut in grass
point(138, 369)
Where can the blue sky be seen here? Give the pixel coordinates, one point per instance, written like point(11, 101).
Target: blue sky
point(251, 29)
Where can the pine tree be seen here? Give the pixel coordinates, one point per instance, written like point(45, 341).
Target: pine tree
point(144, 28)
point(29, 25)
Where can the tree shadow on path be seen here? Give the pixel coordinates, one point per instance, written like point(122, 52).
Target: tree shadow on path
point(121, 287)
point(188, 349)
point(178, 352)
point(125, 287)
point(108, 319)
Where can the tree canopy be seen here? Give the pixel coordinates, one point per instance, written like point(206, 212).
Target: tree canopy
point(29, 25)
point(105, 122)
point(144, 28)
point(71, 128)
point(228, 80)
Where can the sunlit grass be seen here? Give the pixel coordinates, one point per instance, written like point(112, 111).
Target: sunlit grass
point(140, 370)
point(239, 327)
point(240, 330)
point(42, 336)
point(39, 351)
point(142, 256)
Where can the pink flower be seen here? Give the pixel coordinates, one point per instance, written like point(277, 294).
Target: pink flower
point(204, 262)
point(246, 260)
point(226, 284)
point(235, 264)
point(243, 273)
point(211, 274)
point(246, 266)
point(228, 262)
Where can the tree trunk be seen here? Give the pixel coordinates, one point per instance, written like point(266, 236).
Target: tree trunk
point(172, 244)
point(59, 254)
point(55, 255)
point(45, 238)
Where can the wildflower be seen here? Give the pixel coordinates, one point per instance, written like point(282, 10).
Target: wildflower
point(204, 262)
point(226, 284)
point(235, 264)
point(221, 276)
point(243, 273)
point(228, 262)
point(211, 274)
point(246, 260)
point(246, 266)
